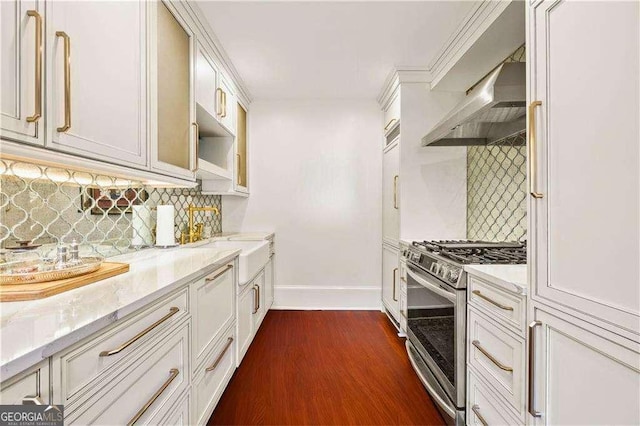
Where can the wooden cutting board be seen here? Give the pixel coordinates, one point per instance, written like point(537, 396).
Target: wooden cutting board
point(21, 292)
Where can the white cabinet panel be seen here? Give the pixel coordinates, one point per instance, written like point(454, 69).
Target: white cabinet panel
point(586, 230)
point(390, 196)
point(206, 82)
point(245, 322)
point(259, 284)
point(33, 383)
point(391, 281)
point(269, 275)
point(104, 101)
point(228, 104)
point(583, 374)
point(22, 94)
point(214, 309)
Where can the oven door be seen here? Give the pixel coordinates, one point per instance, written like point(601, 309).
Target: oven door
point(436, 327)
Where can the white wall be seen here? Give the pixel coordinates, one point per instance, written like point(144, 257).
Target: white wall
point(315, 179)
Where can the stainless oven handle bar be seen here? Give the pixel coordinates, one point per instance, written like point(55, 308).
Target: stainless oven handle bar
point(432, 392)
point(435, 288)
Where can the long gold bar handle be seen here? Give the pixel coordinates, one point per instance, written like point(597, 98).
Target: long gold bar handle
point(395, 191)
point(476, 410)
point(393, 120)
point(533, 163)
point(493, 302)
point(138, 336)
point(217, 361)
point(258, 288)
point(395, 271)
point(500, 365)
point(38, 81)
point(196, 147)
point(222, 272)
point(532, 363)
point(173, 373)
point(219, 101)
point(224, 104)
point(67, 81)
point(255, 299)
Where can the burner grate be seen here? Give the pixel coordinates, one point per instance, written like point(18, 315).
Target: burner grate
point(477, 252)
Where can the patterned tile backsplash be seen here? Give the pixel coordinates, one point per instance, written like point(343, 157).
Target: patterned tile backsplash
point(49, 205)
point(496, 190)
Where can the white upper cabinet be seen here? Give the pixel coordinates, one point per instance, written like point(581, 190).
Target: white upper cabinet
point(584, 60)
point(174, 136)
point(96, 76)
point(22, 71)
point(206, 82)
point(390, 196)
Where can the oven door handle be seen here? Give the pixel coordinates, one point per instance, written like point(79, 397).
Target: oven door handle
point(431, 286)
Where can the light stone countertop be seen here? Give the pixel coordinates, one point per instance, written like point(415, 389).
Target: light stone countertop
point(31, 331)
point(512, 278)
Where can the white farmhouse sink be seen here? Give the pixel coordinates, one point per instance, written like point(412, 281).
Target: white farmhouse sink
point(253, 257)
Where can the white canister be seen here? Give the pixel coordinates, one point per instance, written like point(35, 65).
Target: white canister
point(165, 229)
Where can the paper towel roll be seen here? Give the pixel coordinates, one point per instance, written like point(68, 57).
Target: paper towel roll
point(165, 235)
point(141, 224)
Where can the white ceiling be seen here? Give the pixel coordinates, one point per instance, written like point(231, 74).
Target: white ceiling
point(307, 50)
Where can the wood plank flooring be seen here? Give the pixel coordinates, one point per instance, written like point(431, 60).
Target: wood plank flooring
point(326, 368)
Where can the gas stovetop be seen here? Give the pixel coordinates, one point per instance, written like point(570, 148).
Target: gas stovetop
point(476, 252)
point(446, 259)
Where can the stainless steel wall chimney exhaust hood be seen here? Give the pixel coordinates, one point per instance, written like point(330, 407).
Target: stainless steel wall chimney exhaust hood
point(493, 110)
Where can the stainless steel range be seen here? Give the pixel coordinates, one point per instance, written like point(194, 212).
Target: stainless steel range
point(436, 313)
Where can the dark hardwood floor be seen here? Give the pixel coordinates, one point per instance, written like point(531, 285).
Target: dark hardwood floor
point(326, 368)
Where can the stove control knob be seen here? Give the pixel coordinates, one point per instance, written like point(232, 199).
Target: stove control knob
point(444, 271)
point(454, 274)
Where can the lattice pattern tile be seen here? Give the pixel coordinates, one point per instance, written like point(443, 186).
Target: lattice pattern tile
point(496, 191)
point(48, 205)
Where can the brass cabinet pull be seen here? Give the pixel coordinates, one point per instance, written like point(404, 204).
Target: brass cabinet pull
point(258, 288)
point(493, 302)
point(38, 82)
point(219, 101)
point(394, 284)
point(393, 120)
point(217, 361)
point(395, 191)
point(173, 373)
point(476, 410)
point(67, 81)
point(255, 299)
point(532, 364)
point(196, 147)
point(32, 400)
point(224, 104)
point(138, 336)
point(500, 365)
point(533, 163)
point(222, 272)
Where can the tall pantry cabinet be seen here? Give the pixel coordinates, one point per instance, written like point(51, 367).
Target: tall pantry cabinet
point(391, 208)
point(584, 148)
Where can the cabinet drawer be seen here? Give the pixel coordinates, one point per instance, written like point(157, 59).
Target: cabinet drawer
point(211, 381)
point(33, 383)
point(213, 308)
point(484, 406)
point(505, 307)
point(177, 415)
point(83, 366)
point(392, 113)
point(155, 381)
point(497, 356)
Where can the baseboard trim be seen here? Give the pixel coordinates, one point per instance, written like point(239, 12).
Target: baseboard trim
point(327, 298)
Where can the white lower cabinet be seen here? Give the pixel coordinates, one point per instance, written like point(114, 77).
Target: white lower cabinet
point(32, 386)
point(485, 407)
point(390, 281)
point(582, 374)
point(145, 388)
point(212, 379)
point(177, 415)
point(251, 312)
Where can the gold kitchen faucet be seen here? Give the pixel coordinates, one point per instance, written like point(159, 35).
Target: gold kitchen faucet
point(194, 232)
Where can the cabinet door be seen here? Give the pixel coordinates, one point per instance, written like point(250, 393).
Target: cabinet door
point(259, 283)
point(246, 309)
point(391, 281)
point(227, 103)
point(172, 107)
point(242, 161)
point(32, 385)
point(390, 196)
point(582, 374)
point(97, 80)
point(585, 222)
point(206, 82)
point(21, 71)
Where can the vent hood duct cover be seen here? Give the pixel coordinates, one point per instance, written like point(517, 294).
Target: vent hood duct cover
point(493, 110)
